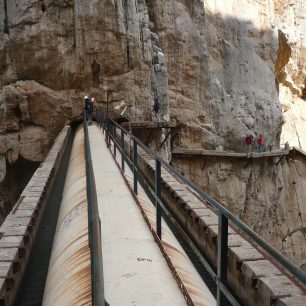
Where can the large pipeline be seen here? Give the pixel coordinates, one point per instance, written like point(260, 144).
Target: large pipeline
point(69, 276)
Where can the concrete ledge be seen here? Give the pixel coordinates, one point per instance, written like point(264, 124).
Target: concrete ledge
point(274, 288)
point(292, 301)
point(19, 228)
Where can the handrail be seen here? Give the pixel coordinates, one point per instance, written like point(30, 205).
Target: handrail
point(295, 270)
point(94, 227)
point(224, 214)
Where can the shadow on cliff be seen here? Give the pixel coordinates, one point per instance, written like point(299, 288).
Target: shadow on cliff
point(17, 177)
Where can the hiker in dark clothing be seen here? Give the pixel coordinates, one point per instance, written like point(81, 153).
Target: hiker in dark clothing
point(156, 108)
point(88, 107)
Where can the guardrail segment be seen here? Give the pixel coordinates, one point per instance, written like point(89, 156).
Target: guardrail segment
point(94, 227)
point(110, 127)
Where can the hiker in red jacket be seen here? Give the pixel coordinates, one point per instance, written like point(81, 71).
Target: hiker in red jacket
point(260, 143)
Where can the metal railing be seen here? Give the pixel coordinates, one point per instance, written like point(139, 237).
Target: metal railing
point(94, 227)
point(110, 128)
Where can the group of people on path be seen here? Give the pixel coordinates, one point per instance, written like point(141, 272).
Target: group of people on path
point(254, 143)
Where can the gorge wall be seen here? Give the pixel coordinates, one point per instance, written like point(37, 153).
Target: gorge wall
point(223, 68)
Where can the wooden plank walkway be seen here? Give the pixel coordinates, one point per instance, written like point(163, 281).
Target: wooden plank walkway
point(187, 153)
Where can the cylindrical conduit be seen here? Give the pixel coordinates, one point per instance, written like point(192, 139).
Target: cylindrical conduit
point(69, 276)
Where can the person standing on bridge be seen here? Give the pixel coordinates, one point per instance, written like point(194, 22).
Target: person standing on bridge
point(88, 107)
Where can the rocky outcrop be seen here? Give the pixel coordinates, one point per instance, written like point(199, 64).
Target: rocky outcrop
point(31, 117)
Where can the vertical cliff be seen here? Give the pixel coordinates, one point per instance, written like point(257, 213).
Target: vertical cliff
point(54, 52)
point(223, 68)
point(290, 69)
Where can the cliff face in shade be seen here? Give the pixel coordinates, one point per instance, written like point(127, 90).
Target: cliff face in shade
point(223, 68)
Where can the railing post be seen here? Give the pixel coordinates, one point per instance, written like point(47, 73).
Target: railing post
point(222, 257)
point(114, 139)
point(100, 120)
point(122, 150)
point(135, 164)
point(113, 133)
point(106, 132)
point(109, 132)
point(94, 227)
point(158, 194)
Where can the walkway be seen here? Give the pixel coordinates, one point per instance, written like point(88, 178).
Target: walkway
point(135, 272)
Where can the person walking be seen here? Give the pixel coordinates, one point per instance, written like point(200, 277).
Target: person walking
point(248, 141)
point(260, 142)
point(156, 109)
point(88, 107)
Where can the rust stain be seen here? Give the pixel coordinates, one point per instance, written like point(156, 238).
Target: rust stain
point(69, 276)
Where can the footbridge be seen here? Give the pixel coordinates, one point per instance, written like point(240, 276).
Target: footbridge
point(105, 221)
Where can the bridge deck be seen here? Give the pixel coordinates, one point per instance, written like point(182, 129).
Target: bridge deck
point(135, 272)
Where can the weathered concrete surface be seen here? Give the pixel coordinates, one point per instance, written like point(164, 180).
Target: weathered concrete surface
point(69, 273)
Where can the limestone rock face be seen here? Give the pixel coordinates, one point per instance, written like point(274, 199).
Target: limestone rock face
point(54, 52)
point(290, 69)
point(223, 68)
point(220, 57)
point(88, 46)
point(32, 116)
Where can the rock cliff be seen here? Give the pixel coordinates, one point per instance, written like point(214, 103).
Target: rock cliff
point(290, 69)
point(223, 68)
